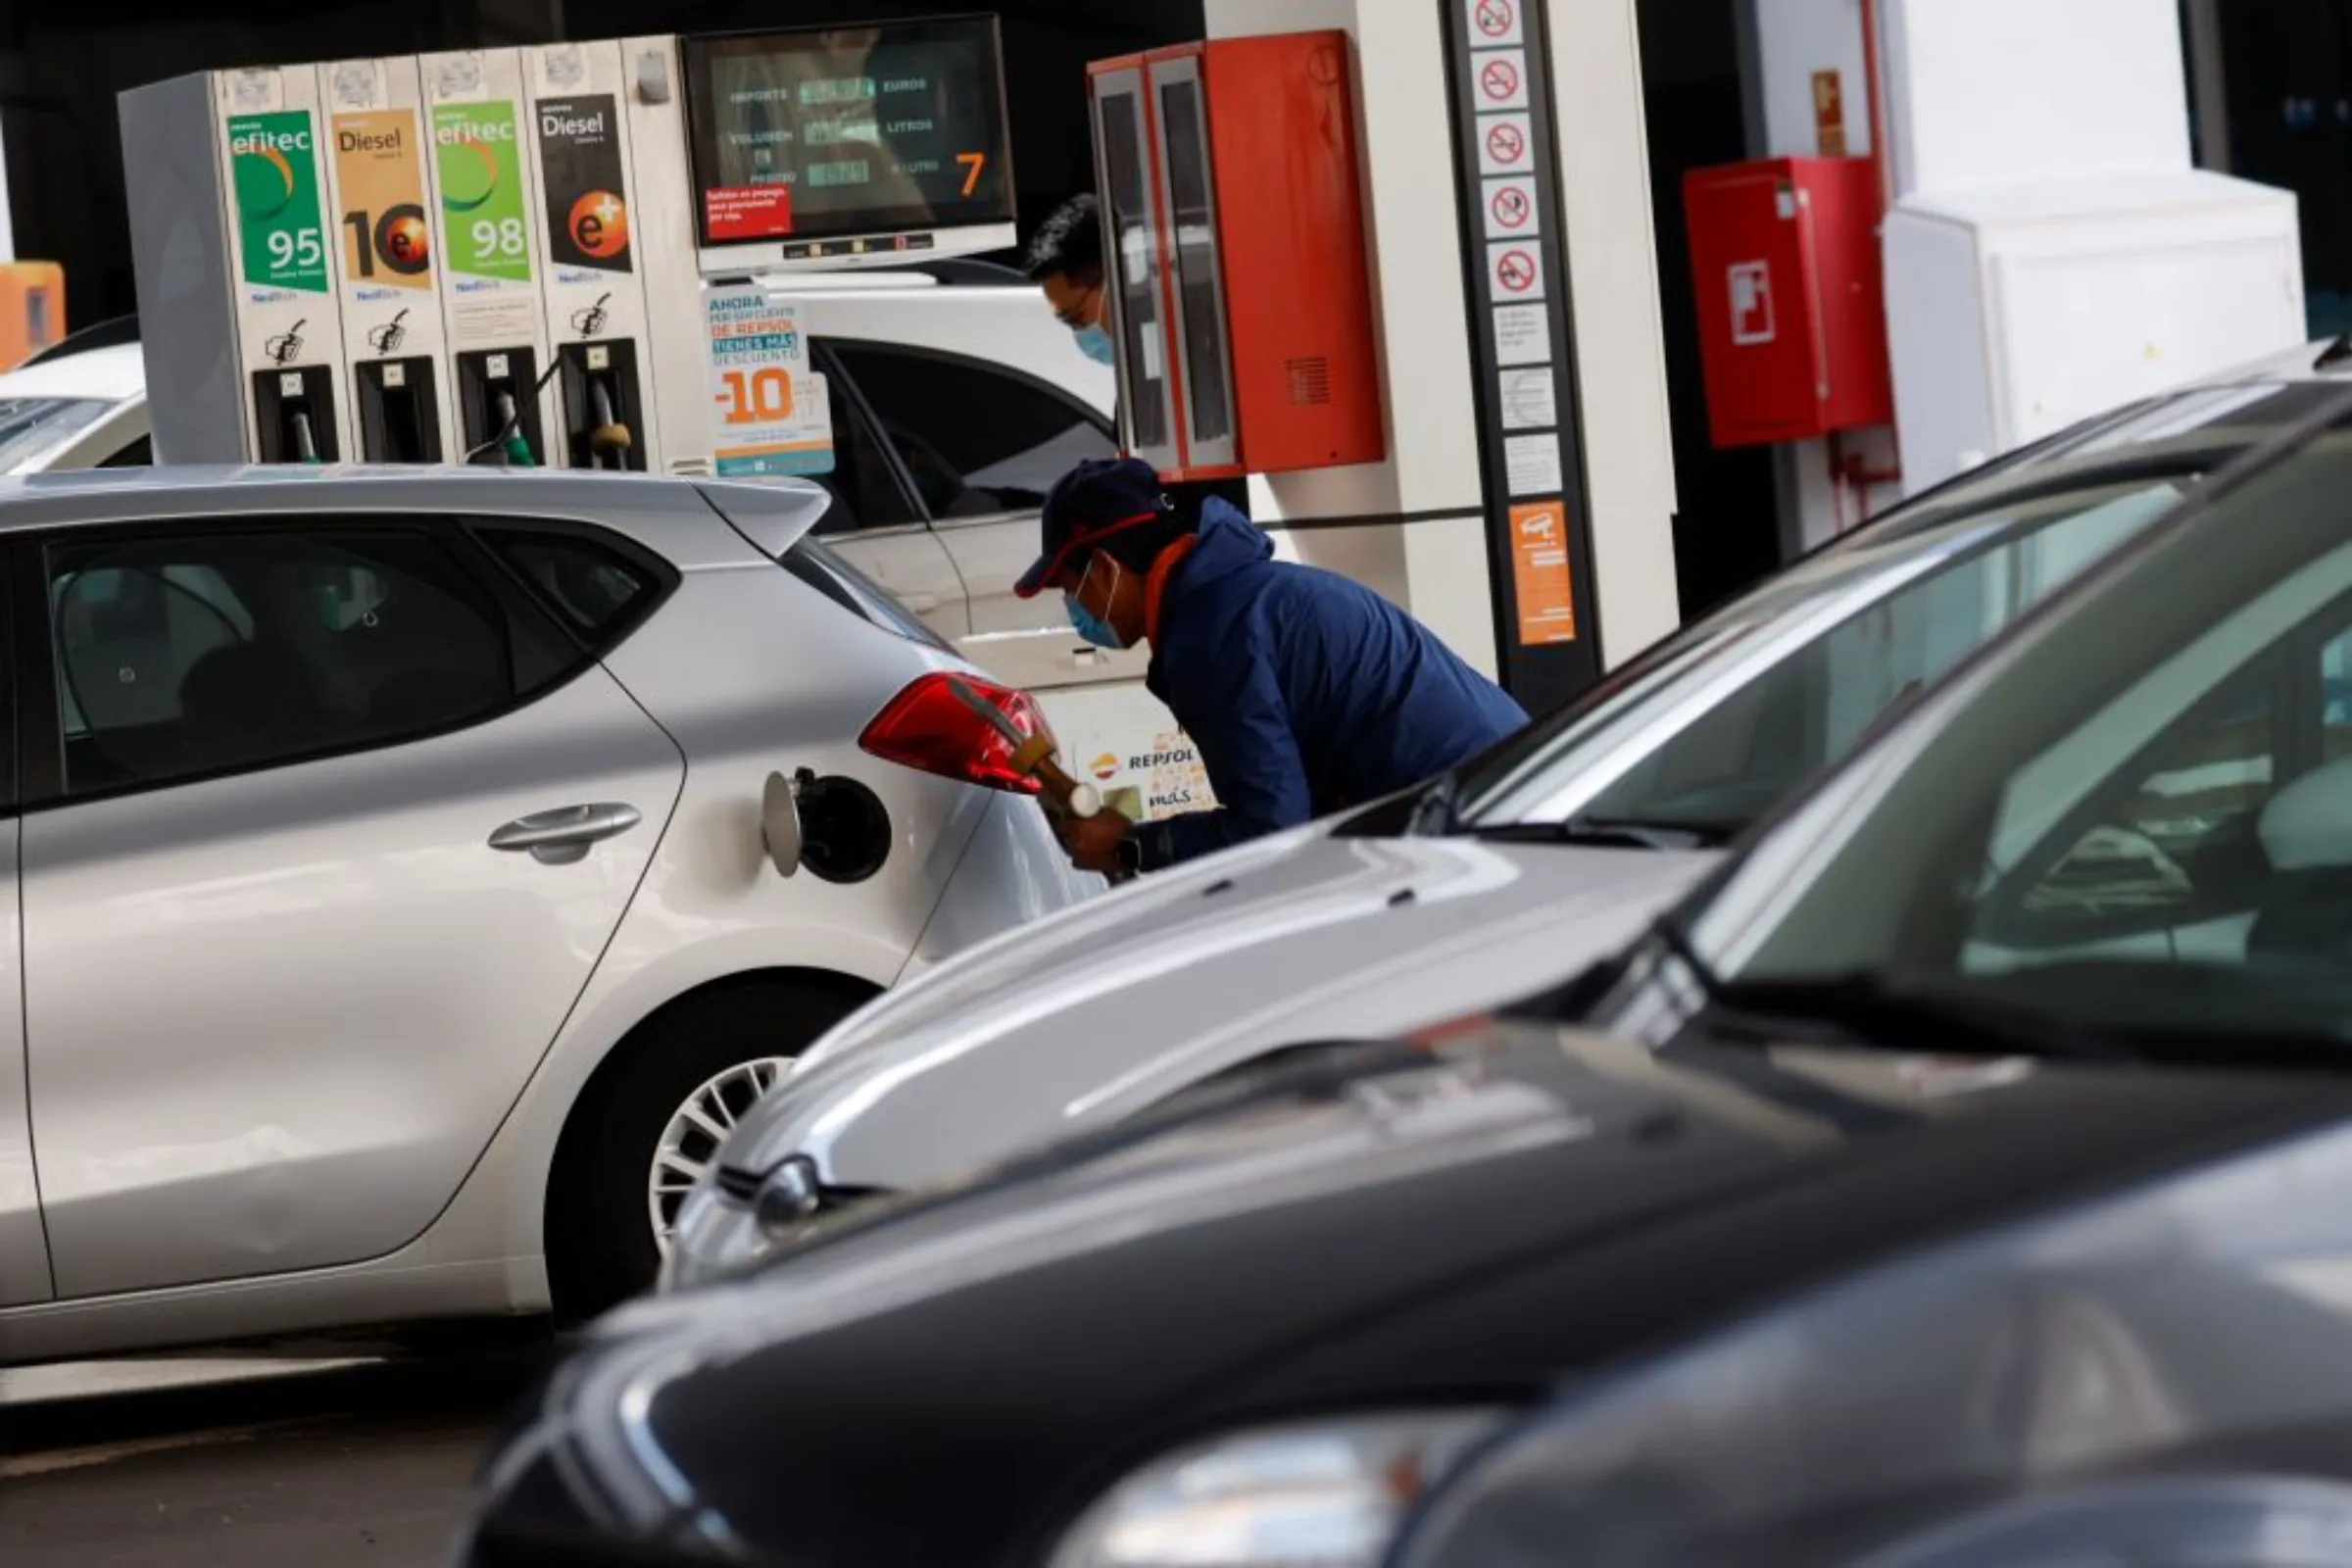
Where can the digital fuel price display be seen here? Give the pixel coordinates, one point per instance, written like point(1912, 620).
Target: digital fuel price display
point(822, 133)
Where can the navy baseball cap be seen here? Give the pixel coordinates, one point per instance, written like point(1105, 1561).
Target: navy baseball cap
point(1098, 497)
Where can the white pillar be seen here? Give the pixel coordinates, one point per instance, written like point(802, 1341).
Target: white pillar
point(1428, 551)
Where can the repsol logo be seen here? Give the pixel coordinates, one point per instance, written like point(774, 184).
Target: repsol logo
point(552, 124)
point(1151, 760)
point(469, 132)
point(252, 143)
point(368, 141)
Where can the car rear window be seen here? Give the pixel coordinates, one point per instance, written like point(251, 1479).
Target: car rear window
point(829, 574)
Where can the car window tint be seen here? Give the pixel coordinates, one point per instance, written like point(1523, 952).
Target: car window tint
point(1759, 744)
point(976, 440)
point(204, 652)
point(592, 588)
point(865, 493)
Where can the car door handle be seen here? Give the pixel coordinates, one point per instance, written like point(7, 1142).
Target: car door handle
point(561, 836)
point(921, 603)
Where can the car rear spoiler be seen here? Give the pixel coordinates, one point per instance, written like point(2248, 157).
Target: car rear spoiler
point(772, 514)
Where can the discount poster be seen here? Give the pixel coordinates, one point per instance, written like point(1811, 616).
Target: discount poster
point(770, 410)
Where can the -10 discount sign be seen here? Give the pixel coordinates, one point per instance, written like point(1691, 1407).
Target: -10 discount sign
point(773, 414)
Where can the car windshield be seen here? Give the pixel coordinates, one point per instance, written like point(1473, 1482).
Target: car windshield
point(30, 427)
point(2132, 822)
point(1726, 719)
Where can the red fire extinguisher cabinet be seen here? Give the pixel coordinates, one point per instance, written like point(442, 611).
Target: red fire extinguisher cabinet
point(1234, 250)
point(1791, 314)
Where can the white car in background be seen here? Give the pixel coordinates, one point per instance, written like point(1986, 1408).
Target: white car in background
point(80, 404)
point(1507, 878)
point(957, 400)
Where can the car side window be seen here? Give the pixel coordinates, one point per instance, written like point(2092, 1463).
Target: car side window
point(207, 652)
point(140, 454)
point(865, 493)
point(976, 439)
point(592, 588)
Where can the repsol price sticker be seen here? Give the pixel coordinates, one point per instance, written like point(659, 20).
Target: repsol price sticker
point(478, 160)
point(274, 167)
point(772, 409)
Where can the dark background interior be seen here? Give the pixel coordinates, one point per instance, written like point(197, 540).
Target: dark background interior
point(62, 64)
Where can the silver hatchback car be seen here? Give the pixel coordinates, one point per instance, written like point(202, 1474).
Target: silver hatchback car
point(399, 909)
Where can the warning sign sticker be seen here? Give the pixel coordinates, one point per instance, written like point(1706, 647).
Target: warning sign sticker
point(1539, 578)
point(1514, 271)
point(1495, 22)
point(1510, 208)
point(1504, 144)
point(1500, 77)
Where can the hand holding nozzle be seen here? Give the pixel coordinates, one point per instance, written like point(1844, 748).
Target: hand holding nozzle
point(1033, 757)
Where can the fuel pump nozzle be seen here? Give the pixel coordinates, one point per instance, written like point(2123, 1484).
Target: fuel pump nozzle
point(305, 444)
point(609, 437)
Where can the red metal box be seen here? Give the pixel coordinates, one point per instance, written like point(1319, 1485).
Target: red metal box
point(1234, 233)
point(1791, 307)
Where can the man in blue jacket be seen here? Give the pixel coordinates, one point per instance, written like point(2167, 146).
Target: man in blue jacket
point(1304, 692)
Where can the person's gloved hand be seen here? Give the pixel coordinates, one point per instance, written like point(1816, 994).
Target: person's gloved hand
point(1093, 842)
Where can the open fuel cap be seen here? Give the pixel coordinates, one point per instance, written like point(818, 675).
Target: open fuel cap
point(780, 823)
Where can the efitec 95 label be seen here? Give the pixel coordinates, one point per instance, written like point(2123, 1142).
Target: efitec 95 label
point(273, 173)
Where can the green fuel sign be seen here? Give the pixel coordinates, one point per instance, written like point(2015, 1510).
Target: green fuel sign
point(479, 161)
point(274, 171)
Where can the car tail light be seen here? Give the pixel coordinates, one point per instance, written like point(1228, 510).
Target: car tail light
point(929, 728)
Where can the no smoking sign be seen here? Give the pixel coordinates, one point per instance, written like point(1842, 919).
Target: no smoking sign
point(1514, 271)
point(1493, 21)
point(1510, 207)
point(1503, 143)
point(1501, 78)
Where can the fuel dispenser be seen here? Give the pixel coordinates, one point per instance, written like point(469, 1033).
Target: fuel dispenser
point(387, 285)
point(237, 305)
point(489, 256)
point(606, 128)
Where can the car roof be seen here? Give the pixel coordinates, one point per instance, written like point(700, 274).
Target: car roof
point(96, 496)
point(114, 373)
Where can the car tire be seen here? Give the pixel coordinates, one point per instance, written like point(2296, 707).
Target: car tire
point(600, 1230)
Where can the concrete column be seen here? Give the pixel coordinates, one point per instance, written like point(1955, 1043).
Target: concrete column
point(1413, 526)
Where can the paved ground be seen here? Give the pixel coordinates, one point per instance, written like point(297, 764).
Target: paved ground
point(245, 1462)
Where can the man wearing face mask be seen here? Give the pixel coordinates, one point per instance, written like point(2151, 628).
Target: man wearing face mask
point(1305, 692)
point(1065, 262)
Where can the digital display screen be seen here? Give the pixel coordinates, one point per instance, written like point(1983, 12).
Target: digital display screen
point(818, 133)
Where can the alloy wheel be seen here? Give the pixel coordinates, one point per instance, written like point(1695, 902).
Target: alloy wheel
point(691, 1137)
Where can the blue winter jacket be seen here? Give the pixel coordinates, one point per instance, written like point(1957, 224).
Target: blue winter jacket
point(1304, 692)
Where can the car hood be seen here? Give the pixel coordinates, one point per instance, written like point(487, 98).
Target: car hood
point(1127, 1000)
point(1482, 1221)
